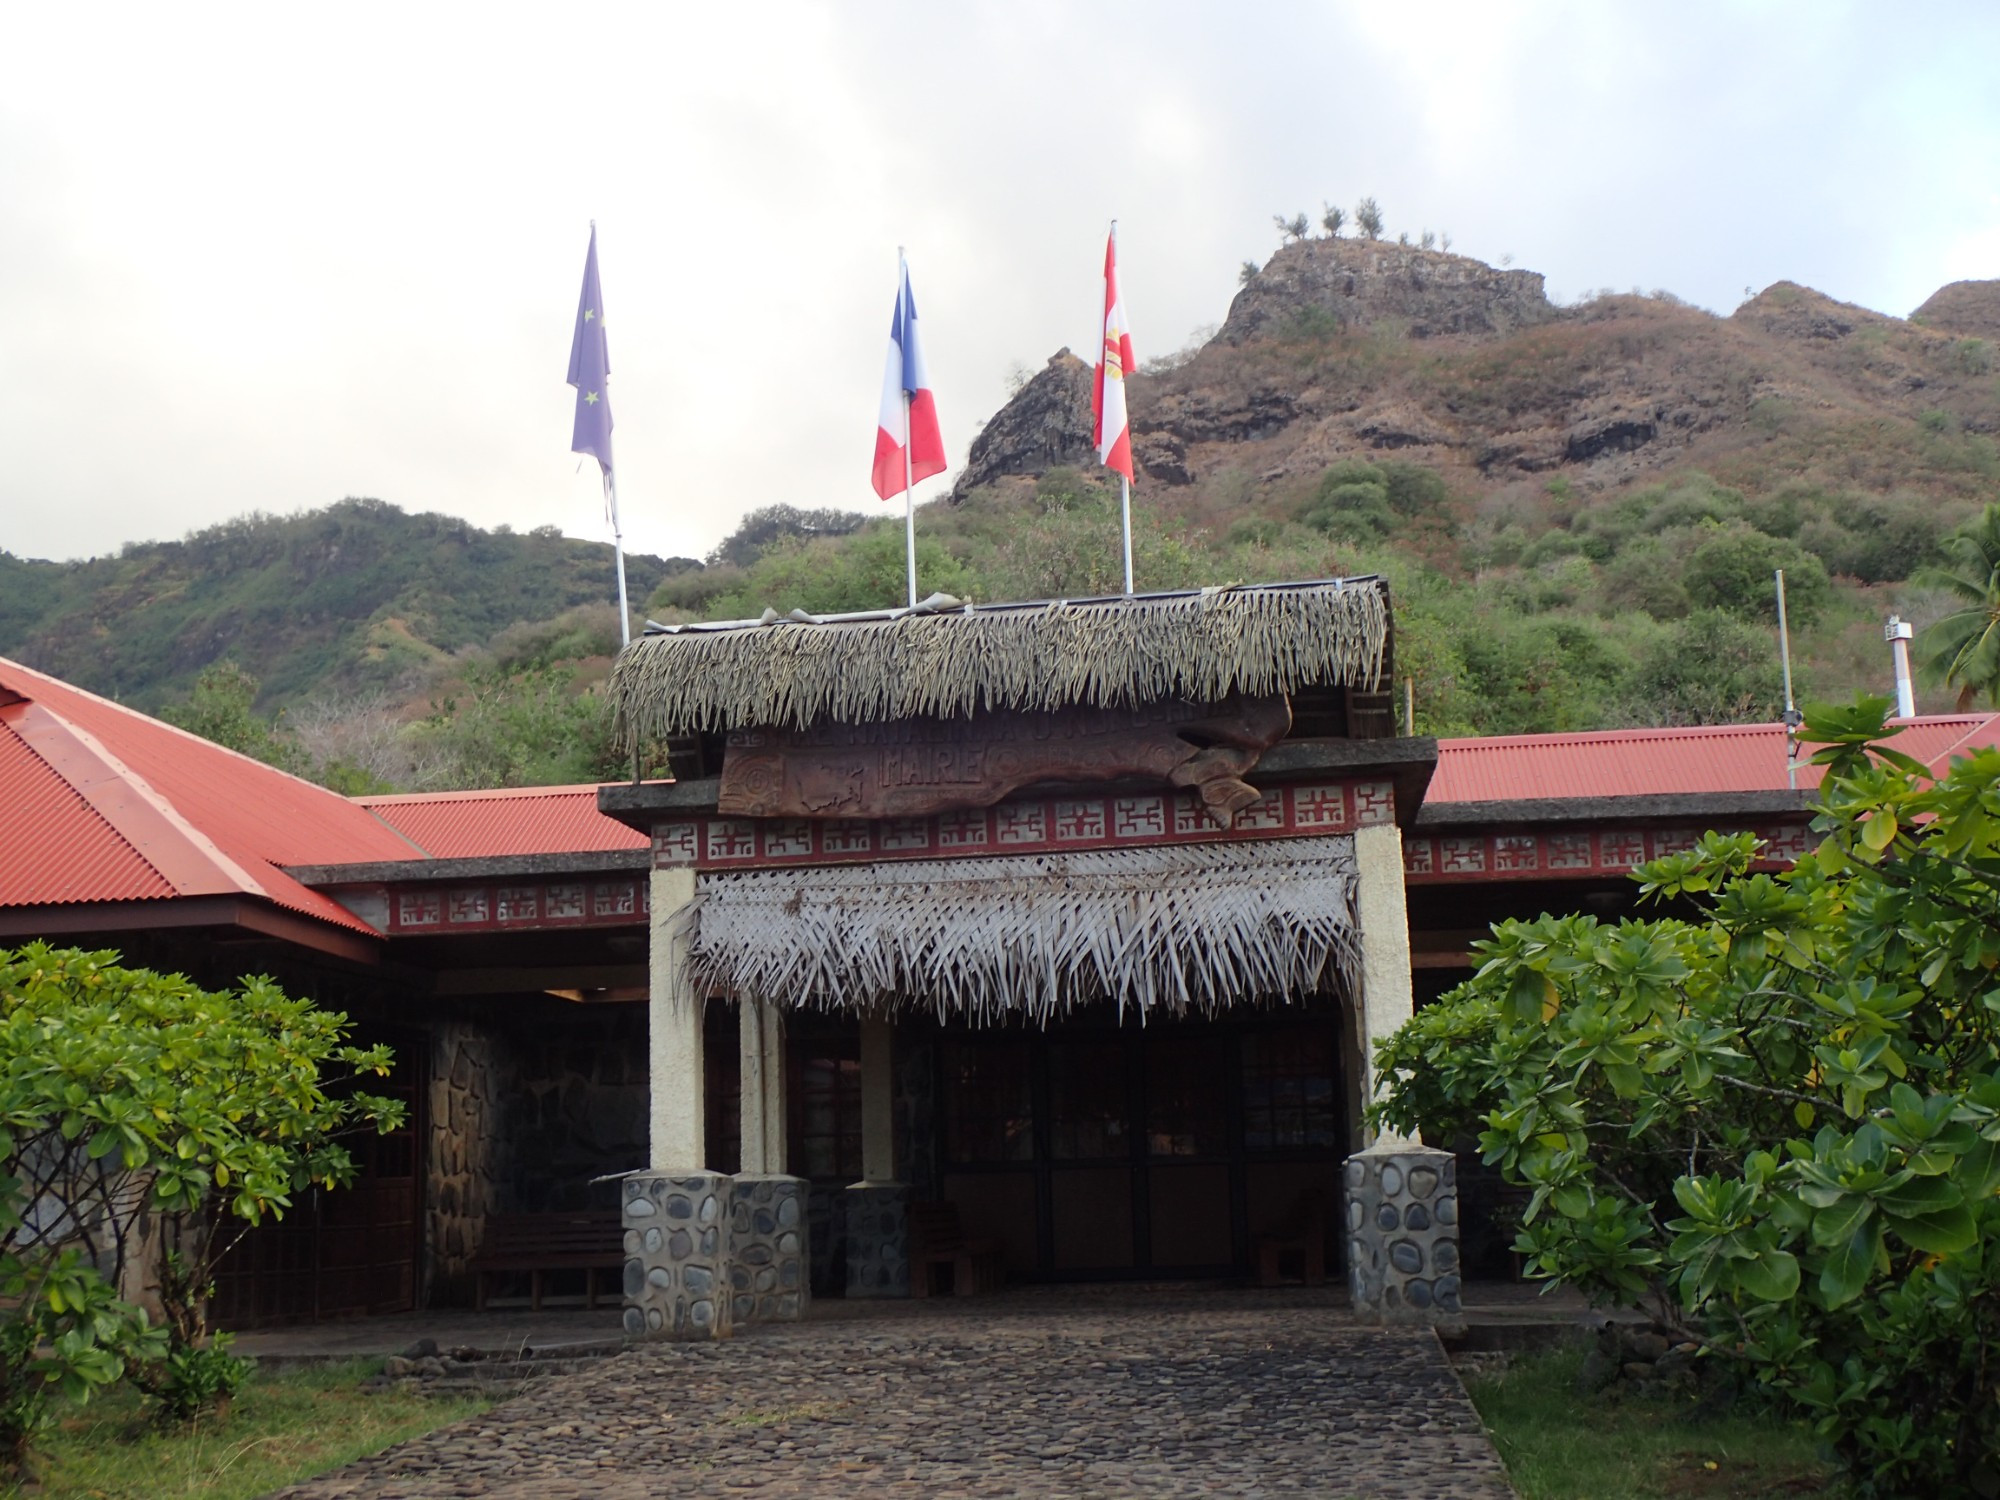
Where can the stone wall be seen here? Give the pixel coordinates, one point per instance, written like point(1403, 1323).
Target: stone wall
point(574, 1109)
point(525, 1109)
point(467, 1080)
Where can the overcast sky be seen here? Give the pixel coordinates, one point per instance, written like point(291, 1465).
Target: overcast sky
point(263, 258)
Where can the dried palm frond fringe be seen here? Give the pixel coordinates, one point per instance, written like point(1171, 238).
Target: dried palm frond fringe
point(1198, 646)
point(1176, 929)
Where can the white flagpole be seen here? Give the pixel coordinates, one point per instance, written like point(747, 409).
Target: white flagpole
point(1125, 510)
point(618, 549)
point(909, 462)
point(1124, 484)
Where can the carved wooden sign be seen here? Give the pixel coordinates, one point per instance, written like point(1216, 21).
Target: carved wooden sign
point(920, 766)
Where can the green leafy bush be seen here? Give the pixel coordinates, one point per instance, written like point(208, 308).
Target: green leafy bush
point(131, 1100)
point(1777, 1122)
point(1732, 570)
point(194, 1381)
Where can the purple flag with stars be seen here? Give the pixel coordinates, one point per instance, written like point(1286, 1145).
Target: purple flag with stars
point(590, 369)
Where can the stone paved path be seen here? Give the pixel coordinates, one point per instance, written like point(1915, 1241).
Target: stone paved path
point(1035, 1393)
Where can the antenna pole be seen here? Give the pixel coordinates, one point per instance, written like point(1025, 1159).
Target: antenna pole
point(1792, 716)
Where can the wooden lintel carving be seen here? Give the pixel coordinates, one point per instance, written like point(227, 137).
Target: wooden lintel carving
point(914, 767)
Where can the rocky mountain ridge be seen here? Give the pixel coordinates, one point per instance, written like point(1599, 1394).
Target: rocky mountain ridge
point(1341, 349)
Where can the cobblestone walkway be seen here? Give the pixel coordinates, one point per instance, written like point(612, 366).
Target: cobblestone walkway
point(1115, 1393)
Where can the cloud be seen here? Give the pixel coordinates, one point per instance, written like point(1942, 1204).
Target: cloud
point(258, 258)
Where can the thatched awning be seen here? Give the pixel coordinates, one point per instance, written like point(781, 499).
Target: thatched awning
point(1174, 929)
point(950, 660)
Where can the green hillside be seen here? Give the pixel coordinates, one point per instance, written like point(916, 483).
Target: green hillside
point(354, 597)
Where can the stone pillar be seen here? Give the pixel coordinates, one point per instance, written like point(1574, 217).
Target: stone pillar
point(878, 1207)
point(677, 1255)
point(1402, 1235)
point(1387, 998)
point(768, 1235)
point(768, 1278)
point(677, 1213)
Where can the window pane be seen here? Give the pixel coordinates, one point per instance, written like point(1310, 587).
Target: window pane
point(987, 1099)
point(1291, 1094)
point(1087, 1100)
point(1186, 1110)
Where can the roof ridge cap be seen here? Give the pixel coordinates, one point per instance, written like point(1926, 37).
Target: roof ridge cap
point(171, 846)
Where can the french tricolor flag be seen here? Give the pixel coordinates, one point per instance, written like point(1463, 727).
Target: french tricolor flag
point(908, 446)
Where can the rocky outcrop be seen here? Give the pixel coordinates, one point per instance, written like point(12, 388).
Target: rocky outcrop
point(1970, 309)
point(1787, 310)
point(1357, 349)
point(1366, 283)
point(1047, 424)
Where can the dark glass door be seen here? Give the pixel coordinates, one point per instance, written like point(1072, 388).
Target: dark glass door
point(1109, 1150)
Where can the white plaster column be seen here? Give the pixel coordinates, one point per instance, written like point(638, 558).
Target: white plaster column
point(761, 1047)
point(1387, 998)
point(878, 1111)
point(774, 1090)
point(674, 1043)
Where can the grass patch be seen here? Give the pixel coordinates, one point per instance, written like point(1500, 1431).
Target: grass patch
point(1562, 1446)
point(282, 1429)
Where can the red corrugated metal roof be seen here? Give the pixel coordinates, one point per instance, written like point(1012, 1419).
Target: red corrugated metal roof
point(204, 820)
point(520, 820)
point(1650, 762)
point(58, 849)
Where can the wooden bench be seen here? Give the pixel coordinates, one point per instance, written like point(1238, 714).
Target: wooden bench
point(588, 1241)
point(937, 1238)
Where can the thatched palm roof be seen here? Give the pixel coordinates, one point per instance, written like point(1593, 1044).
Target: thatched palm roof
point(945, 659)
point(1176, 928)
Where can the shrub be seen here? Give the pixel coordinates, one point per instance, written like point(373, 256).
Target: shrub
point(130, 1099)
point(1732, 570)
point(1711, 668)
point(194, 1381)
point(1777, 1122)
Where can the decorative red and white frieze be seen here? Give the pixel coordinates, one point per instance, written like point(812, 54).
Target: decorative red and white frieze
point(502, 906)
point(1573, 853)
point(1040, 825)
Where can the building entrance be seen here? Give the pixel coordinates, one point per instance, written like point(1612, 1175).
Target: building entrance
point(1097, 1149)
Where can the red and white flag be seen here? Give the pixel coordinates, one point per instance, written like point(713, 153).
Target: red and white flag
point(912, 426)
point(1113, 431)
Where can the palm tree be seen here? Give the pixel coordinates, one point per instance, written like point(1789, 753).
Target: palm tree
point(1963, 648)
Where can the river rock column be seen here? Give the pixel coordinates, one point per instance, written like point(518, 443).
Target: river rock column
point(1402, 1235)
point(768, 1278)
point(878, 1206)
point(677, 1255)
point(677, 1214)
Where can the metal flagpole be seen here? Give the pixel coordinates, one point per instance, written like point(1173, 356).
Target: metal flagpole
point(618, 549)
point(1125, 509)
point(1124, 483)
point(909, 503)
point(909, 462)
